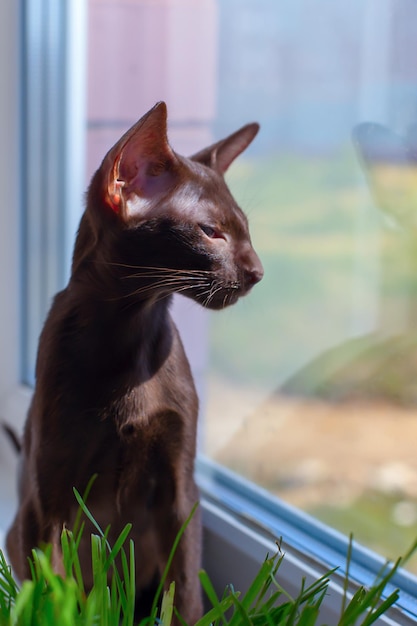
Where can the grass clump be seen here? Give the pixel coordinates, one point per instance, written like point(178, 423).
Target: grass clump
point(47, 598)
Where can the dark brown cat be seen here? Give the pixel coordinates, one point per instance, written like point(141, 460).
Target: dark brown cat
point(114, 393)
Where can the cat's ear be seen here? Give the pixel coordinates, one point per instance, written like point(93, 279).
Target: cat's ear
point(221, 154)
point(140, 164)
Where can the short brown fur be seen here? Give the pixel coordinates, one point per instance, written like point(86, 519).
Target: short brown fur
point(114, 393)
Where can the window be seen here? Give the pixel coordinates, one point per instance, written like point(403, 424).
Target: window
point(39, 131)
point(53, 165)
point(307, 385)
point(9, 233)
point(315, 371)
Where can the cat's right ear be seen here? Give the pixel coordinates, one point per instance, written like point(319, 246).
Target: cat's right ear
point(140, 164)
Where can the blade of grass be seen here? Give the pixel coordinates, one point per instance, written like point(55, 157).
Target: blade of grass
point(117, 546)
point(22, 610)
point(295, 605)
point(240, 615)
point(208, 588)
point(116, 601)
point(383, 608)
point(216, 613)
point(77, 521)
point(365, 601)
point(127, 600)
point(275, 615)
point(269, 603)
point(99, 589)
point(353, 609)
point(86, 511)
point(346, 579)
point(180, 620)
point(8, 585)
point(170, 559)
point(256, 588)
point(167, 606)
point(271, 580)
point(131, 586)
point(219, 606)
point(318, 587)
point(71, 560)
point(309, 615)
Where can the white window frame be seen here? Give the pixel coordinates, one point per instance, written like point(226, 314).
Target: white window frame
point(16, 111)
point(241, 521)
point(13, 396)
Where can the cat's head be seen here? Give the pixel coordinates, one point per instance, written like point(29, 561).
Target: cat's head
point(168, 223)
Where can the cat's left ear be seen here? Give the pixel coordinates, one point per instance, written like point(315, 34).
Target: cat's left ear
point(220, 155)
point(140, 164)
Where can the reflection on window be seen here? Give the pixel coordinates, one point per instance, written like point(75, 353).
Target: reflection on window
point(312, 385)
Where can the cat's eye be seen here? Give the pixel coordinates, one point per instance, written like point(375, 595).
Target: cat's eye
point(211, 232)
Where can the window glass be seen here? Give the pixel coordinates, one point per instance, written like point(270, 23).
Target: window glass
point(307, 386)
point(312, 379)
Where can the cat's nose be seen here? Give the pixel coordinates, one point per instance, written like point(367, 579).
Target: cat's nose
point(253, 275)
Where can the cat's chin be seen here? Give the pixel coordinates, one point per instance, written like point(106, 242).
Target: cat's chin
point(219, 301)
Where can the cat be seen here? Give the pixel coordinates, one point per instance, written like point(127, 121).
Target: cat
point(114, 394)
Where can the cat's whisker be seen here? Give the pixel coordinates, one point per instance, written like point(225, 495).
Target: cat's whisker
point(207, 299)
point(163, 295)
point(179, 275)
point(146, 288)
point(229, 293)
point(173, 285)
point(153, 287)
point(215, 288)
point(147, 268)
point(209, 295)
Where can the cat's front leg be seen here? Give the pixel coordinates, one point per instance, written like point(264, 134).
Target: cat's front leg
point(23, 535)
point(20, 539)
point(185, 565)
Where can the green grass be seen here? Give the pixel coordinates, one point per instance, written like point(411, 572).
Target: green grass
point(47, 599)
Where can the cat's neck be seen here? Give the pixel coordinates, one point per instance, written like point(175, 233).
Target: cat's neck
point(123, 333)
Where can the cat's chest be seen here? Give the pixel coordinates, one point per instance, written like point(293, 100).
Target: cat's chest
point(146, 401)
point(150, 401)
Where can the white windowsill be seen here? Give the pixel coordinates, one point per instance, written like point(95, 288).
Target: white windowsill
point(242, 524)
